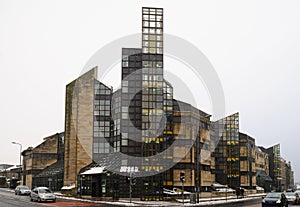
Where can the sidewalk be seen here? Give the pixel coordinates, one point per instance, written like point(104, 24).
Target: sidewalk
point(203, 201)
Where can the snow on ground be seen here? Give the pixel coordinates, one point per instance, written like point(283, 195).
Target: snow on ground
point(203, 201)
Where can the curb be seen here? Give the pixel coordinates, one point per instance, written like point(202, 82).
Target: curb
point(203, 202)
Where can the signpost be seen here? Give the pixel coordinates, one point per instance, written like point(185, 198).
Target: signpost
point(182, 179)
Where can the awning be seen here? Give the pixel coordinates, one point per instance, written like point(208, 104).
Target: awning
point(70, 187)
point(175, 191)
point(259, 188)
point(218, 185)
point(263, 175)
point(93, 171)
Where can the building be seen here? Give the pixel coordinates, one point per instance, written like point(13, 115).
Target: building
point(104, 127)
point(197, 164)
point(4, 169)
point(36, 160)
point(283, 175)
point(247, 161)
point(227, 153)
point(262, 169)
point(138, 140)
point(4, 166)
point(261, 160)
point(79, 116)
point(274, 165)
point(287, 175)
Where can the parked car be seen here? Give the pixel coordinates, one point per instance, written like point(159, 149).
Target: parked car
point(293, 198)
point(275, 199)
point(42, 194)
point(22, 190)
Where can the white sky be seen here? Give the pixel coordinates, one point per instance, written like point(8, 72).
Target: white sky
point(253, 45)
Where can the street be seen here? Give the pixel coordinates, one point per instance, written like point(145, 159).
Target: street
point(250, 203)
point(9, 199)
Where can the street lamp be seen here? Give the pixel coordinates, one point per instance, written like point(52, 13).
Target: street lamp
point(81, 187)
point(20, 158)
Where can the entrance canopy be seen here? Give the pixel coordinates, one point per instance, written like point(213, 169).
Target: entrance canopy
point(93, 171)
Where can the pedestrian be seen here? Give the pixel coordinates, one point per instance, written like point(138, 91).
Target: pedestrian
point(237, 192)
point(242, 192)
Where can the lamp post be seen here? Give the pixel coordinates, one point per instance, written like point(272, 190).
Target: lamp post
point(20, 158)
point(81, 187)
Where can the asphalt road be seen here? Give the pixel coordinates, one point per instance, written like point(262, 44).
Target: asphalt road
point(252, 203)
point(9, 199)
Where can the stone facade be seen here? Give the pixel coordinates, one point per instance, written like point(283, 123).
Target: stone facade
point(35, 160)
point(197, 163)
point(79, 125)
point(247, 161)
point(261, 161)
point(287, 175)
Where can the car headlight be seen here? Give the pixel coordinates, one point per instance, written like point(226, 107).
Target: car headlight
point(279, 201)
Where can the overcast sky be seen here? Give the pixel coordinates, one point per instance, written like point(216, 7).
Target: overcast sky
point(253, 45)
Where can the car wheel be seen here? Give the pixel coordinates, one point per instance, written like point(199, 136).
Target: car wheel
point(31, 199)
point(38, 199)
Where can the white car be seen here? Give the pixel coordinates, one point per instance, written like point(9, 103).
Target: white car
point(22, 190)
point(42, 194)
point(293, 198)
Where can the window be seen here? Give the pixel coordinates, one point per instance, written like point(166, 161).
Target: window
point(124, 115)
point(124, 89)
point(124, 142)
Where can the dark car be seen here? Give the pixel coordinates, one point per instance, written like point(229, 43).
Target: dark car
point(275, 199)
point(22, 190)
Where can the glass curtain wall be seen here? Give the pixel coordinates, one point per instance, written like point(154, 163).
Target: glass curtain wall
point(227, 153)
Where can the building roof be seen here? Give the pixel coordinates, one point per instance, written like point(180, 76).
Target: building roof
point(52, 170)
point(188, 107)
point(4, 166)
point(54, 136)
point(12, 168)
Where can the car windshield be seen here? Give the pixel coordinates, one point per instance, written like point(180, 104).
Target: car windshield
point(24, 188)
point(44, 190)
point(273, 195)
point(290, 194)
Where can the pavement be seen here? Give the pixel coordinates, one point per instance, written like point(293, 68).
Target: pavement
point(217, 201)
point(203, 201)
